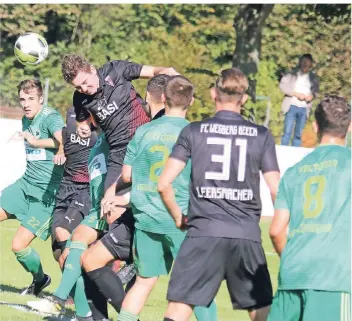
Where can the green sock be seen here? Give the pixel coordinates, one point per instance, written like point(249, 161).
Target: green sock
point(30, 260)
point(72, 270)
point(206, 313)
point(80, 299)
point(127, 316)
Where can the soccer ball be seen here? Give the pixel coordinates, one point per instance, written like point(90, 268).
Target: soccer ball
point(31, 48)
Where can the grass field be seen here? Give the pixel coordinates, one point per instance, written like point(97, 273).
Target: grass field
point(13, 279)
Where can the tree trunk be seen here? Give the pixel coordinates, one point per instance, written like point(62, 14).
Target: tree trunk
point(248, 25)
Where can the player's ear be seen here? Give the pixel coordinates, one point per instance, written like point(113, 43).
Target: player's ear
point(163, 98)
point(41, 99)
point(315, 126)
point(192, 101)
point(349, 127)
point(244, 99)
point(147, 97)
point(213, 93)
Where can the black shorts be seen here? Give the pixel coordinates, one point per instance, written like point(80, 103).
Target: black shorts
point(203, 262)
point(72, 205)
point(114, 169)
point(119, 239)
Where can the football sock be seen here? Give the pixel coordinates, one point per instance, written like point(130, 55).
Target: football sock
point(80, 299)
point(127, 316)
point(206, 313)
point(30, 260)
point(110, 285)
point(96, 300)
point(72, 270)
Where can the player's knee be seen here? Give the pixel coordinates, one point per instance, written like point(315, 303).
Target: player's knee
point(18, 245)
point(61, 234)
point(88, 262)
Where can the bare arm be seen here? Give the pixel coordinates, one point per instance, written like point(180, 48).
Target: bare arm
point(173, 168)
point(278, 229)
point(59, 158)
point(151, 71)
point(272, 180)
point(127, 173)
point(39, 143)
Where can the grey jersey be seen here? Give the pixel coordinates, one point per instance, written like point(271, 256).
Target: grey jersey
point(227, 154)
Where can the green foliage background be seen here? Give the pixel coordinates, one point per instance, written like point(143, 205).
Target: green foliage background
point(197, 40)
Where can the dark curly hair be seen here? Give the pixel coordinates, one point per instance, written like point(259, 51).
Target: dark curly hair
point(72, 64)
point(333, 116)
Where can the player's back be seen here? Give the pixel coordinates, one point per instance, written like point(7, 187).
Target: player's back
point(318, 195)
point(155, 142)
point(227, 154)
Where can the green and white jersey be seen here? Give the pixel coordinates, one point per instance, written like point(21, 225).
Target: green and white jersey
point(317, 193)
point(41, 171)
point(97, 168)
point(147, 153)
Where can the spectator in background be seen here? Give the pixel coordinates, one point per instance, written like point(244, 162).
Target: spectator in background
point(300, 87)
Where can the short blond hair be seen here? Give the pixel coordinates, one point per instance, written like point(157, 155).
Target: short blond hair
point(231, 85)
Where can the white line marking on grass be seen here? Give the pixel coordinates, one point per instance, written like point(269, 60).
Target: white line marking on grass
point(26, 308)
point(8, 228)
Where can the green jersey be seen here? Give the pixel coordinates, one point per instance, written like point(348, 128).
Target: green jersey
point(41, 172)
point(317, 193)
point(147, 153)
point(97, 171)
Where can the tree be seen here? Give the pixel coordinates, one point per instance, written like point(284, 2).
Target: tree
point(248, 24)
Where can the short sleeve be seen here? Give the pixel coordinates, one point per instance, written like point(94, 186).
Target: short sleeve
point(182, 148)
point(81, 113)
point(53, 123)
point(282, 199)
point(128, 70)
point(268, 161)
point(132, 149)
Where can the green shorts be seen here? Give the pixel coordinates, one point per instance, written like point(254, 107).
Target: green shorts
point(310, 305)
point(34, 212)
point(94, 221)
point(155, 253)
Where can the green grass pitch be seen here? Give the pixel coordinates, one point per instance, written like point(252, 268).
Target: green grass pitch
point(13, 279)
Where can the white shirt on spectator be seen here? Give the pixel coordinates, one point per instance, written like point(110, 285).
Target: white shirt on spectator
point(302, 86)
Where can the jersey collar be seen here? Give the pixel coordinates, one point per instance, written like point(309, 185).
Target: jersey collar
point(228, 114)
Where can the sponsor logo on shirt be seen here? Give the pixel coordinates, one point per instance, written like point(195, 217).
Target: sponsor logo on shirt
point(107, 110)
point(78, 140)
point(109, 81)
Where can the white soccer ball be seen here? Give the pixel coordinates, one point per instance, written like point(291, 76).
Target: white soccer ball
point(31, 48)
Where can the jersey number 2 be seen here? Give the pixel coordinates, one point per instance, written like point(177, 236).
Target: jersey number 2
point(165, 152)
point(225, 158)
point(313, 202)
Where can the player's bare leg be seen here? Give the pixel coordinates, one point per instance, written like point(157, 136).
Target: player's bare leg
point(137, 296)
point(260, 314)
point(61, 235)
point(30, 260)
point(178, 311)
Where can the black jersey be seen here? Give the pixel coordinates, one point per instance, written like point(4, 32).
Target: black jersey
point(116, 107)
point(227, 154)
point(76, 151)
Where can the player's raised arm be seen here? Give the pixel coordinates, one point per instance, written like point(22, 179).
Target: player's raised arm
point(151, 71)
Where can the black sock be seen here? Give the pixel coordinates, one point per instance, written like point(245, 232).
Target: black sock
point(110, 285)
point(96, 300)
point(130, 284)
